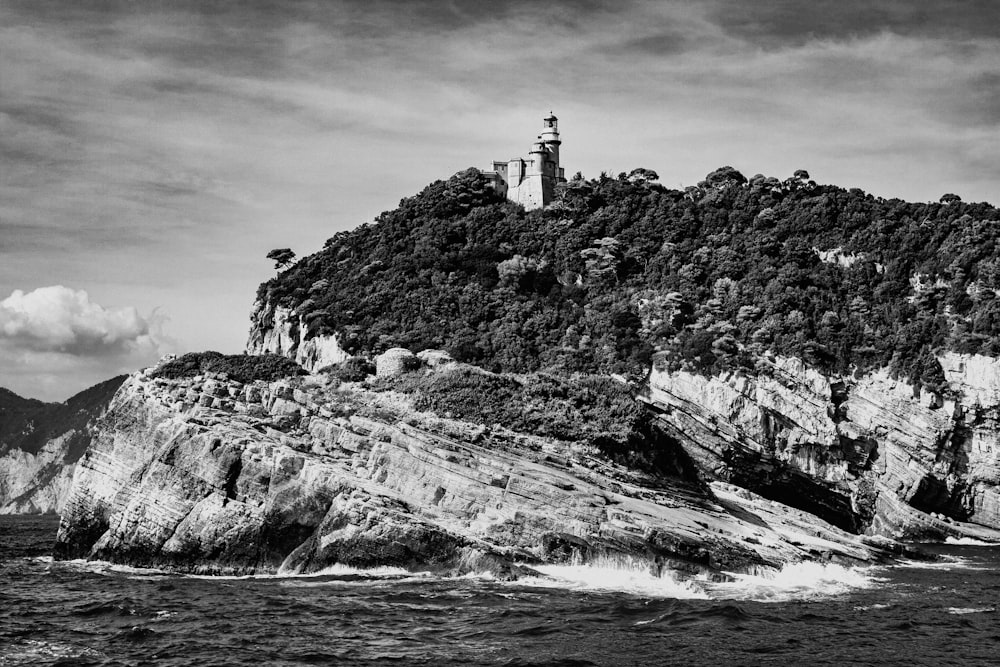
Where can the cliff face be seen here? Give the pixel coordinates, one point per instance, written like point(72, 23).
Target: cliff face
point(40, 444)
point(279, 330)
point(37, 482)
point(212, 475)
point(869, 454)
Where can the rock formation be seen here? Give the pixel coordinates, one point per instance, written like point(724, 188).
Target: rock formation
point(780, 463)
point(870, 454)
point(208, 474)
point(279, 330)
point(40, 444)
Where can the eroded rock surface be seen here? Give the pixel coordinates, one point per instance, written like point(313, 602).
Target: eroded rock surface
point(279, 330)
point(870, 454)
point(208, 474)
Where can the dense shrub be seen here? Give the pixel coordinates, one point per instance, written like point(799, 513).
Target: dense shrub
point(239, 367)
point(578, 409)
point(354, 369)
point(621, 268)
point(591, 410)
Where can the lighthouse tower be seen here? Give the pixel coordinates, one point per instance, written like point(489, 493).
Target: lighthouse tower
point(531, 182)
point(550, 137)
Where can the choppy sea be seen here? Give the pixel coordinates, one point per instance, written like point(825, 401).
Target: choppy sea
point(90, 613)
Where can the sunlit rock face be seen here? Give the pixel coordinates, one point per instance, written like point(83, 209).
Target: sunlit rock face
point(869, 454)
point(279, 330)
point(208, 474)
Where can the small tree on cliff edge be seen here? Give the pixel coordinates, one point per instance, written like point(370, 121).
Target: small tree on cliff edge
point(283, 257)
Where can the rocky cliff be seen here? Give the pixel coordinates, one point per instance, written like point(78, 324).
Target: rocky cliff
point(869, 453)
point(279, 330)
point(40, 444)
point(210, 474)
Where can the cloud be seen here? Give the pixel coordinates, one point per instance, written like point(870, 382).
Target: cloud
point(779, 23)
point(55, 340)
point(59, 319)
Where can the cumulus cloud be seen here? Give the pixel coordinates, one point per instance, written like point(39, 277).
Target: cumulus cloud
point(60, 319)
point(55, 341)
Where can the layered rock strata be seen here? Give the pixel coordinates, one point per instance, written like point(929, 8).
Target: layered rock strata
point(870, 453)
point(212, 475)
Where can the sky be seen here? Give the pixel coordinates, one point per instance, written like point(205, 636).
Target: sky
point(152, 153)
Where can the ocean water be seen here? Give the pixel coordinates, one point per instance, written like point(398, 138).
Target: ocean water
point(85, 613)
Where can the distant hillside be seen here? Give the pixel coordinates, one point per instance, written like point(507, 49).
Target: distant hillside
point(16, 419)
point(620, 269)
point(41, 442)
point(27, 424)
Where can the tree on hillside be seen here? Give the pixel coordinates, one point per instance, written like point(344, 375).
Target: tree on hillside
point(642, 175)
point(282, 257)
point(705, 277)
point(722, 177)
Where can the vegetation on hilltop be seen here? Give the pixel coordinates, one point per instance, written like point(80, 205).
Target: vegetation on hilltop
point(621, 268)
point(238, 367)
point(28, 424)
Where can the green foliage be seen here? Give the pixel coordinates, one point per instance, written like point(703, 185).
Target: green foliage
point(354, 369)
point(618, 269)
point(239, 367)
point(27, 424)
point(282, 257)
point(592, 410)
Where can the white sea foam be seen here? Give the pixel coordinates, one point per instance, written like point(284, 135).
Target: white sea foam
point(611, 574)
point(586, 577)
point(970, 542)
point(106, 567)
point(969, 610)
point(614, 574)
point(33, 651)
point(336, 570)
point(950, 563)
point(794, 581)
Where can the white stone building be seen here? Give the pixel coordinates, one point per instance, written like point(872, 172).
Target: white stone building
point(531, 182)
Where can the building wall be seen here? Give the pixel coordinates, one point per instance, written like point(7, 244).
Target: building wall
point(531, 193)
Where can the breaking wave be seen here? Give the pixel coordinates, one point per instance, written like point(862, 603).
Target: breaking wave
point(803, 580)
point(619, 575)
point(795, 581)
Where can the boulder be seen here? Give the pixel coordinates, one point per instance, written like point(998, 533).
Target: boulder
point(394, 362)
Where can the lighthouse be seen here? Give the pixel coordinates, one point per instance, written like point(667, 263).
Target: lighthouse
point(531, 181)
